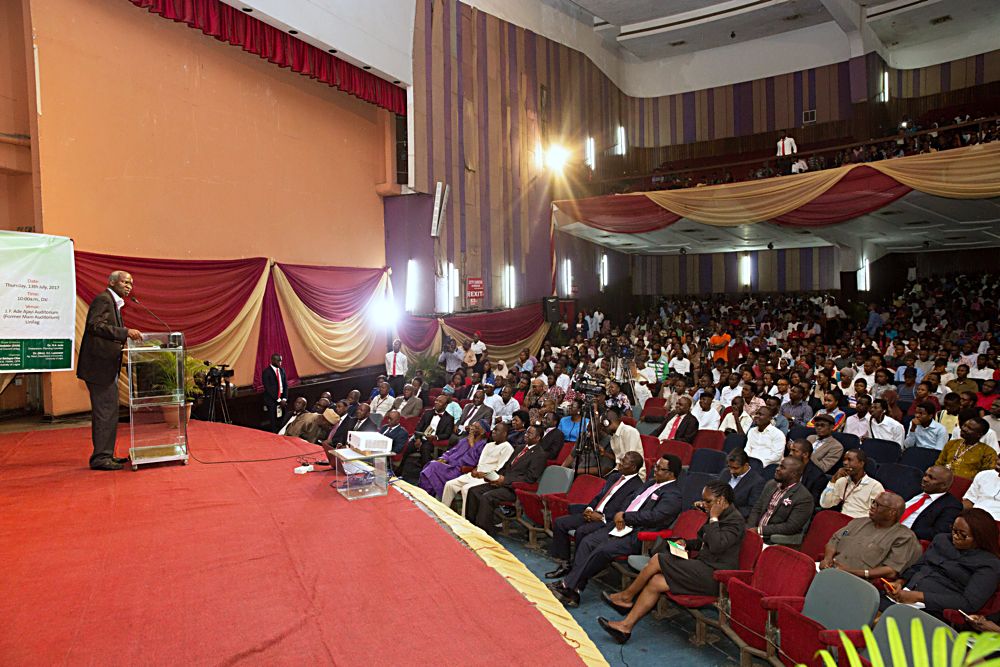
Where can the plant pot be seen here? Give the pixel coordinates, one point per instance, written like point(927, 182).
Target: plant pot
point(171, 415)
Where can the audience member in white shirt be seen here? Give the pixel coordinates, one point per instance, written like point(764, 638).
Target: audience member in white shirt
point(764, 441)
point(706, 412)
point(984, 492)
point(882, 426)
point(859, 423)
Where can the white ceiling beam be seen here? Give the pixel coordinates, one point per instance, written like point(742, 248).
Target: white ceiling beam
point(850, 16)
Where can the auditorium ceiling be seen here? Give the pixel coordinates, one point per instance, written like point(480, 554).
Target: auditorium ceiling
point(915, 222)
point(652, 29)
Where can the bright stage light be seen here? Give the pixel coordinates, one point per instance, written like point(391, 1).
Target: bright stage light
point(557, 157)
point(745, 270)
point(383, 313)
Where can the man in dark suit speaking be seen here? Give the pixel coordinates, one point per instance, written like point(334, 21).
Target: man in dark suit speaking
point(99, 363)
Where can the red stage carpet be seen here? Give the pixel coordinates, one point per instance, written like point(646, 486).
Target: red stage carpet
point(237, 563)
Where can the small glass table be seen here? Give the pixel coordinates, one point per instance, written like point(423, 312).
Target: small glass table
point(361, 474)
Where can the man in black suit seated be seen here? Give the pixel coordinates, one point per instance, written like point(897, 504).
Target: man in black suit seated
point(785, 505)
point(552, 441)
point(932, 512)
point(363, 420)
point(744, 481)
point(391, 429)
point(813, 477)
point(435, 424)
point(473, 412)
point(527, 465)
point(338, 435)
point(654, 507)
point(618, 491)
point(680, 424)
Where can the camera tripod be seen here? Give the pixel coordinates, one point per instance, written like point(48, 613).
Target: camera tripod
point(217, 399)
point(586, 445)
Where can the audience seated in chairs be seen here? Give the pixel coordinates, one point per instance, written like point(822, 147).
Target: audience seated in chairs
point(553, 440)
point(814, 479)
point(745, 482)
point(495, 454)
point(680, 424)
point(717, 547)
point(408, 404)
point(958, 571)
point(984, 492)
point(463, 454)
point(875, 546)
point(784, 506)
point(392, 429)
point(933, 511)
point(620, 488)
point(851, 490)
point(654, 507)
point(827, 450)
point(765, 442)
point(526, 465)
point(967, 456)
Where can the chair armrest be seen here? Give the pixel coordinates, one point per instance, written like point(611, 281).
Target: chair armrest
point(653, 535)
point(954, 617)
point(723, 576)
point(832, 637)
point(773, 602)
point(524, 486)
point(787, 540)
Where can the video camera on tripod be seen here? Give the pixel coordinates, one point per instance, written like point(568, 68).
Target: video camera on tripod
point(217, 386)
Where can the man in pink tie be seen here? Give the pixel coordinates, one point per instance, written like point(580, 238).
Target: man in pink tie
point(933, 510)
point(621, 487)
point(654, 507)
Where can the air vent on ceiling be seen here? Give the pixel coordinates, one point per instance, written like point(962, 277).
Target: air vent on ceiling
point(910, 224)
point(680, 42)
point(713, 238)
point(954, 238)
point(796, 17)
point(941, 19)
point(804, 232)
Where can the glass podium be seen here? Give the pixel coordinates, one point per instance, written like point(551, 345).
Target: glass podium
point(156, 399)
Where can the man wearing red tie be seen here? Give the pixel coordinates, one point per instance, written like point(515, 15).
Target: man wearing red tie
point(275, 391)
point(933, 510)
point(620, 488)
point(396, 365)
point(786, 149)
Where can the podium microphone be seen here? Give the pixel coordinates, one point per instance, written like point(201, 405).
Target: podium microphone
point(157, 317)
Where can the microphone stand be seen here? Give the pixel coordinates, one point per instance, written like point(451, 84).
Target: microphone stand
point(170, 330)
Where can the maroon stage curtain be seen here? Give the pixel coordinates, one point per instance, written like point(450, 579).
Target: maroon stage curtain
point(505, 327)
point(228, 24)
point(199, 297)
point(417, 333)
point(861, 191)
point(332, 292)
point(621, 214)
point(273, 338)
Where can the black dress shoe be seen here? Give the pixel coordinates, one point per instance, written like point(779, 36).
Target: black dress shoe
point(617, 635)
point(558, 573)
point(614, 605)
point(569, 598)
point(107, 465)
point(120, 459)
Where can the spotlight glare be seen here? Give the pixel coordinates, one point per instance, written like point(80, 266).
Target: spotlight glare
point(556, 157)
point(383, 313)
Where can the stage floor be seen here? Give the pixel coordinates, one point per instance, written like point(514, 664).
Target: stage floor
point(247, 563)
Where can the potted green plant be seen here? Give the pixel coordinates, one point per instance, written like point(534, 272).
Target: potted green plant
point(969, 649)
point(166, 383)
point(427, 366)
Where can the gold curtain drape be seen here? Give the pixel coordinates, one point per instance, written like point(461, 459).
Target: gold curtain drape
point(340, 346)
point(748, 202)
point(972, 172)
point(506, 352)
point(961, 173)
point(228, 345)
